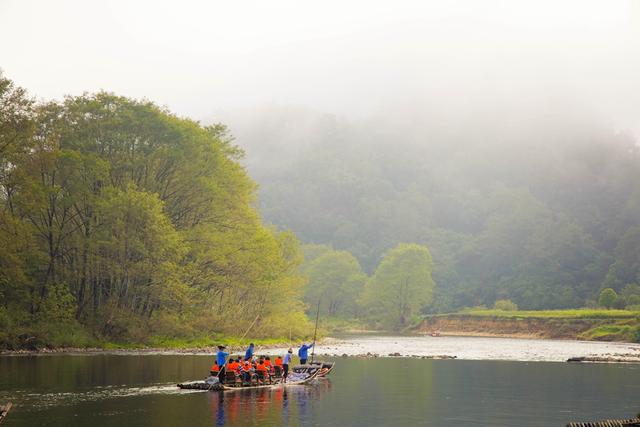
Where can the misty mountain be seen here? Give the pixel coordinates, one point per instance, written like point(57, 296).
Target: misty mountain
point(529, 205)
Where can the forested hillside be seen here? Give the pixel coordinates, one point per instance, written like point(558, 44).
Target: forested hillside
point(121, 222)
point(542, 209)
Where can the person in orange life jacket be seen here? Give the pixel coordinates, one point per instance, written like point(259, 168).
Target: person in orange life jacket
point(267, 363)
point(233, 365)
point(215, 368)
point(246, 371)
point(262, 368)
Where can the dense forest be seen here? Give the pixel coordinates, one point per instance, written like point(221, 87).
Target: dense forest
point(535, 207)
point(121, 222)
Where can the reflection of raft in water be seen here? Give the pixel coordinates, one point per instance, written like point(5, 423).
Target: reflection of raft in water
point(4, 410)
point(301, 374)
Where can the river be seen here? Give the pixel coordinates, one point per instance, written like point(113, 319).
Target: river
point(519, 390)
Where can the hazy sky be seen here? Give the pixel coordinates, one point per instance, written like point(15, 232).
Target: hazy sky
point(344, 57)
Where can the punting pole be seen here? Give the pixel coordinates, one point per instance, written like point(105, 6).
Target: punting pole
point(315, 332)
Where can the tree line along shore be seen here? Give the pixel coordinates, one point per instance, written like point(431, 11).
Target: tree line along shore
point(123, 224)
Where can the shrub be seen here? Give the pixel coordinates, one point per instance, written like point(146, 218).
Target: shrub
point(505, 305)
point(620, 303)
point(607, 298)
point(633, 300)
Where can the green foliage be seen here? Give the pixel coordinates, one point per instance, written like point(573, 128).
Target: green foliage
point(505, 305)
point(626, 266)
point(400, 286)
point(631, 294)
point(607, 298)
point(119, 218)
point(335, 278)
point(620, 302)
point(540, 217)
point(613, 332)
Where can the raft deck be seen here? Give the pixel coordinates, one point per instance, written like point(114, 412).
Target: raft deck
point(634, 422)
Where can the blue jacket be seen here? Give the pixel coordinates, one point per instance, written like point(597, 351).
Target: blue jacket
point(302, 352)
point(249, 354)
point(222, 358)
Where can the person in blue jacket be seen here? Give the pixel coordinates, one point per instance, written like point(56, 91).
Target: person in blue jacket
point(221, 358)
point(249, 353)
point(302, 352)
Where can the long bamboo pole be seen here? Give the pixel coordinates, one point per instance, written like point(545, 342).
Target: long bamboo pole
point(315, 332)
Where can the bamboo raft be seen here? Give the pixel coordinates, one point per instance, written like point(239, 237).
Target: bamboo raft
point(4, 410)
point(239, 385)
point(300, 374)
point(634, 422)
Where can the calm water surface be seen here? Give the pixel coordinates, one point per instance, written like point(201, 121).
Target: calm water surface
point(133, 390)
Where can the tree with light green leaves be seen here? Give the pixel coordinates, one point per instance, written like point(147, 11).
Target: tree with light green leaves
point(122, 219)
point(335, 279)
point(400, 286)
point(607, 298)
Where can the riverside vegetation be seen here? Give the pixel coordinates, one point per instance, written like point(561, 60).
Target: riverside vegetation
point(123, 224)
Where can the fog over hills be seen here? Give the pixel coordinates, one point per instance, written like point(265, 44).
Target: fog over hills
point(501, 134)
point(529, 205)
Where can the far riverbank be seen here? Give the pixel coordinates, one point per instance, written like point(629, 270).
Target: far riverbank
point(588, 325)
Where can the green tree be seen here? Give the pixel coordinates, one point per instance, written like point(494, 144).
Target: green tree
point(400, 286)
point(336, 279)
point(505, 305)
point(626, 266)
point(607, 298)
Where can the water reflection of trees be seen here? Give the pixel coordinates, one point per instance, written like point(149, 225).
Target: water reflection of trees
point(278, 406)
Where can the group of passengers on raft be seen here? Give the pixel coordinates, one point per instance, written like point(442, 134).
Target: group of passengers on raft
point(245, 368)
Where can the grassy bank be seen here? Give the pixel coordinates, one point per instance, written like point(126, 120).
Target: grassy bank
point(584, 324)
point(582, 313)
point(72, 335)
point(197, 345)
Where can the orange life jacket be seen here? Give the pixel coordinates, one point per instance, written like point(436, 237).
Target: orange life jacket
point(215, 367)
point(279, 361)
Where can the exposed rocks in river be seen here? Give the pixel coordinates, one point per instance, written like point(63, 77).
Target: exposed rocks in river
point(396, 354)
